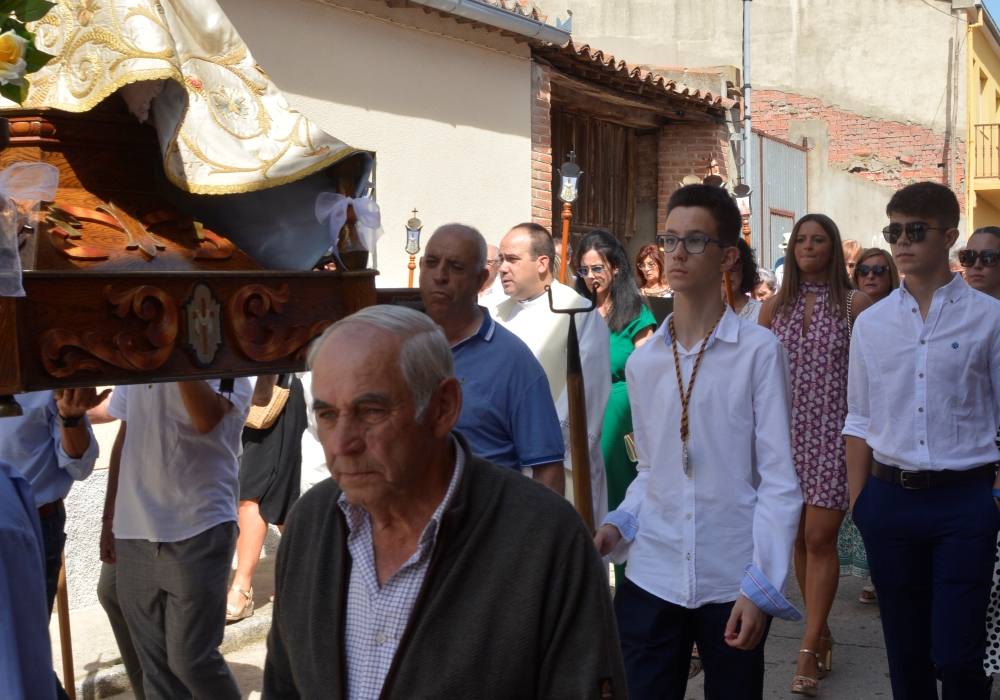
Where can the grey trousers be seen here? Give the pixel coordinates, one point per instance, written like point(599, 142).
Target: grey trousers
point(173, 598)
point(107, 593)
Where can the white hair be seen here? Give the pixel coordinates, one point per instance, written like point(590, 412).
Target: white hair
point(424, 354)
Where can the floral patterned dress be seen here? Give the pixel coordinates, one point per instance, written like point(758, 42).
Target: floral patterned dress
point(818, 364)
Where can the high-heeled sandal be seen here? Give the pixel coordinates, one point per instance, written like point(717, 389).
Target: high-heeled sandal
point(237, 613)
point(825, 663)
point(806, 685)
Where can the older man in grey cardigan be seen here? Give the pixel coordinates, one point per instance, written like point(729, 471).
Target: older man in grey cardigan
point(419, 570)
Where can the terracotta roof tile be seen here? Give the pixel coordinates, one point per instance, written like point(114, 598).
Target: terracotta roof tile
point(523, 8)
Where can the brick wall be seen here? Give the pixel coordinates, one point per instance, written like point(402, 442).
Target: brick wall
point(687, 149)
point(541, 146)
point(888, 152)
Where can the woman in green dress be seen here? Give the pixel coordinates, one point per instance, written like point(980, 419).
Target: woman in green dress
point(602, 265)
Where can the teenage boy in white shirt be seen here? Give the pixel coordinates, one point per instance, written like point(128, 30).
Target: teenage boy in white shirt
point(923, 401)
point(708, 524)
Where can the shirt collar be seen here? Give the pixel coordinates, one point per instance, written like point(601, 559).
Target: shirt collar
point(728, 330)
point(953, 291)
point(356, 515)
point(485, 332)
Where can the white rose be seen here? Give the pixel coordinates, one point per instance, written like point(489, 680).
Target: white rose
point(12, 50)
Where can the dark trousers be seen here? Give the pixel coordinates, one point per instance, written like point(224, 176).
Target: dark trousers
point(53, 542)
point(107, 593)
point(656, 638)
point(931, 556)
point(173, 597)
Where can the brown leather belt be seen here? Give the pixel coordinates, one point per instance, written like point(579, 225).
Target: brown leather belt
point(49, 509)
point(918, 480)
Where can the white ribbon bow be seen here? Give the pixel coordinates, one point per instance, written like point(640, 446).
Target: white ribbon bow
point(22, 187)
point(332, 207)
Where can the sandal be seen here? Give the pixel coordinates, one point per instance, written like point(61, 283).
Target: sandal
point(868, 595)
point(825, 664)
point(806, 685)
point(234, 613)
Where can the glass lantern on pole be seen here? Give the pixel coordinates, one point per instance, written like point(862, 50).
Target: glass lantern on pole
point(413, 227)
point(569, 180)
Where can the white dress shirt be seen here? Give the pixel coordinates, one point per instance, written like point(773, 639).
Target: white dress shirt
point(728, 528)
point(174, 482)
point(925, 393)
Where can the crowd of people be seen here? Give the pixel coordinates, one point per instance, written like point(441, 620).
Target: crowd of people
point(838, 414)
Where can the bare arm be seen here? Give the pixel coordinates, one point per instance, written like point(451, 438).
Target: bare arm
point(110, 497)
point(99, 413)
point(552, 475)
point(859, 466)
point(203, 404)
point(642, 336)
point(767, 312)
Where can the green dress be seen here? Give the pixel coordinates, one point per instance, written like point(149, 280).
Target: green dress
point(620, 470)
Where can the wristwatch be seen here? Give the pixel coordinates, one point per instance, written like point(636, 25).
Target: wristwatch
point(70, 421)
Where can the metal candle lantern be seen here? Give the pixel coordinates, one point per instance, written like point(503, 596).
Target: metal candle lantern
point(569, 175)
point(413, 227)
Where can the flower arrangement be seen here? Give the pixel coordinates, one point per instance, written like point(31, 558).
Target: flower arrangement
point(18, 55)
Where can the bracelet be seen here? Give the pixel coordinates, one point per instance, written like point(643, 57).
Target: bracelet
point(70, 421)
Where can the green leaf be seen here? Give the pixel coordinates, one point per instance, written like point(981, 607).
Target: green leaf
point(16, 92)
point(33, 10)
point(8, 6)
point(36, 59)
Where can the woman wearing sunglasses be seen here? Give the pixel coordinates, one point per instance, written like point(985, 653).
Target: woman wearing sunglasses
point(649, 272)
point(812, 315)
point(979, 260)
point(602, 265)
point(876, 274)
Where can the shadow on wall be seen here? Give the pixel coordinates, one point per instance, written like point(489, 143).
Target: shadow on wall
point(344, 57)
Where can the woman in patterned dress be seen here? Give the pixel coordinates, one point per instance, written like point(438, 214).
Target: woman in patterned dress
point(812, 315)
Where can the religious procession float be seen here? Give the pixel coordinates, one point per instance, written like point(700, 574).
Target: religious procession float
point(165, 211)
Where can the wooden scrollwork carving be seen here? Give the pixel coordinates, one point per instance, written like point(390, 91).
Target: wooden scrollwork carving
point(248, 311)
point(66, 352)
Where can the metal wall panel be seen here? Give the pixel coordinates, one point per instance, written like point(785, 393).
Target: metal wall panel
point(779, 194)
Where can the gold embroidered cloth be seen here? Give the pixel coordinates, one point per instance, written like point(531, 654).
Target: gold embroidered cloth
point(223, 125)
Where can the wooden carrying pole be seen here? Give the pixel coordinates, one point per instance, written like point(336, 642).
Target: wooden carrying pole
point(578, 442)
point(65, 638)
point(730, 298)
point(567, 216)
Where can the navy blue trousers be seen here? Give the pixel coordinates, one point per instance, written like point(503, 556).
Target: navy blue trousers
point(53, 541)
point(656, 638)
point(931, 557)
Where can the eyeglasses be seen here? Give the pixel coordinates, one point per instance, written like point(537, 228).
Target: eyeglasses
point(648, 265)
point(916, 231)
point(585, 270)
point(878, 270)
point(694, 244)
point(988, 258)
point(492, 262)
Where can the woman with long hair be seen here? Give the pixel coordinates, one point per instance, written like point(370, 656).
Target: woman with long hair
point(649, 272)
point(812, 315)
point(602, 265)
point(875, 274)
point(743, 279)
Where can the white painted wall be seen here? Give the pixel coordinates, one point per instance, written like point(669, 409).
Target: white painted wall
point(881, 58)
point(448, 117)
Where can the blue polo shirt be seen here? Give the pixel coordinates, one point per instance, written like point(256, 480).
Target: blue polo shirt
point(508, 415)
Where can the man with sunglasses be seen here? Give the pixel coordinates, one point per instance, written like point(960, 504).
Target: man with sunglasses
point(979, 259)
point(923, 407)
point(708, 524)
point(527, 267)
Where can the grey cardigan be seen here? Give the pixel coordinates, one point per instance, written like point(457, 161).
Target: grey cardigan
point(515, 604)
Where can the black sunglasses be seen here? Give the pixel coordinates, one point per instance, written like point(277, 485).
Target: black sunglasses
point(988, 258)
point(916, 231)
point(879, 270)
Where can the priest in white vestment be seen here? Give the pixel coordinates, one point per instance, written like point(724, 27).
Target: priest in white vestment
point(527, 255)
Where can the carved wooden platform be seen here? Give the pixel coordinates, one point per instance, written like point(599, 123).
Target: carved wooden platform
point(122, 288)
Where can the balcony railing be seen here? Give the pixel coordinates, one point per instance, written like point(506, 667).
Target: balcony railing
point(987, 145)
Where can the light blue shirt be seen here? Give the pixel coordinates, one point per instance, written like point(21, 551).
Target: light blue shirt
point(25, 652)
point(32, 443)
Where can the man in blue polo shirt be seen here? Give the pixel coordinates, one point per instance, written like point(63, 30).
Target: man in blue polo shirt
point(508, 415)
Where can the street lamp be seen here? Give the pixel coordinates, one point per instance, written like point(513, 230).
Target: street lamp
point(742, 195)
point(569, 175)
point(413, 227)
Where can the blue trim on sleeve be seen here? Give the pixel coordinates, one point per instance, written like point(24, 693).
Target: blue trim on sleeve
point(765, 596)
point(626, 523)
